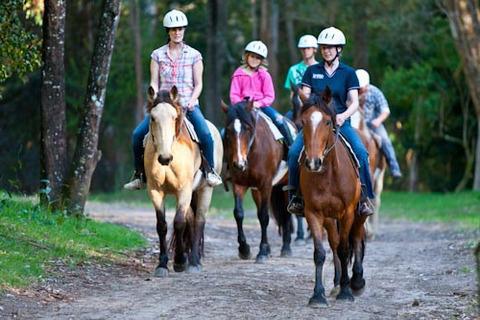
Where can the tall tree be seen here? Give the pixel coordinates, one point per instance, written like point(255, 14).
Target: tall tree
point(464, 16)
point(86, 153)
point(290, 28)
point(216, 49)
point(135, 25)
point(360, 34)
point(269, 13)
point(53, 119)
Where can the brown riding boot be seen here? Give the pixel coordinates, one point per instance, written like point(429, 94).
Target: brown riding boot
point(365, 207)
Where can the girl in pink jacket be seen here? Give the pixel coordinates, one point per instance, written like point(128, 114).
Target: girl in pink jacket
point(253, 80)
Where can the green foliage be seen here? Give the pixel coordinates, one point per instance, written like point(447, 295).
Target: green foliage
point(20, 46)
point(461, 209)
point(33, 239)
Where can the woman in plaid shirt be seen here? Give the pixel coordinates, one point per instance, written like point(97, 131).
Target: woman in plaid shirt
point(176, 63)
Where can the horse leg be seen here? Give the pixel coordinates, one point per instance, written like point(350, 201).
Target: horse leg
point(278, 203)
point(333, 240)
point(357, 237)
point(262, 198)
point(158, 202)
point(300, 239)
point(200, 205)
point(343, 253)
point(243, 247)
point(183, 218)
point(315, 223)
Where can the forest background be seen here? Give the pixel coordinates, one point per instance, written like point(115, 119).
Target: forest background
point(407, 46)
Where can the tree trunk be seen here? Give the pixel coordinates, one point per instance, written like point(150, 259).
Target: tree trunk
point(269, 34)
point(360, 34)
point(216, 54)
point(53, 119)
point(253, 12)
point(86, 154)
point(465, 26)
point(290, 27)
point(135, 25)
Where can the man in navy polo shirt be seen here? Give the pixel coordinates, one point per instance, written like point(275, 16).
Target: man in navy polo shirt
point(343, 82)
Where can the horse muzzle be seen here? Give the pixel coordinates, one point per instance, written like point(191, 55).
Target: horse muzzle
point(240, 165)
point(314, 164)
point(165, 160)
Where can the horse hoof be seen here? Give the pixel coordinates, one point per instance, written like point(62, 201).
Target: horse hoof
point(261, 259)
point(161, 272)
point(179, 267)
point(318, 302)
point(345, 295)
point(357, 284)
point(286, 253)
point(194, 269)
point(335, 291)
point(300, 242)
point(244, 252)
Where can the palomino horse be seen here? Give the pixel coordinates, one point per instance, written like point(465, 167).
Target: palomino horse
point(378, 165)
point(173, 166)
point(331, 189)
point(253, 156)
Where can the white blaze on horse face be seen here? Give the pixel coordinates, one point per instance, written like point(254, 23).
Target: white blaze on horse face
point(315, 119)
point(237, 128)
point(164, 128)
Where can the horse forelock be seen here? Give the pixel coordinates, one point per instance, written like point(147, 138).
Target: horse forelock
point(240, 112)
point(317, 102)
point(163, 96)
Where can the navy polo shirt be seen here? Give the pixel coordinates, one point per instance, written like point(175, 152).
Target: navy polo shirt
point(340, 82)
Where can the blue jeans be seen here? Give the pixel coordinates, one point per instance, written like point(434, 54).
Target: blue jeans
point(387, 148)
point(358, 148)
point(277, 119)
point(201, 128)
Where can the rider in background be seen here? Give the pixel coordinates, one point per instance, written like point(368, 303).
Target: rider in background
point(252, 80)
point(375, 112)
point(308, 48)
point(176, 63)
point(343, 82)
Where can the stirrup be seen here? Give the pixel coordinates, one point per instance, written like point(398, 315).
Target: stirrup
point(213, 179)
point(365, 208)
point(295, 206)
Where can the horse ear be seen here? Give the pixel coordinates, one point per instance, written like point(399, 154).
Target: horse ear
point(224, 106)
point(174, 94)
point(151, 94)
point(249, 106)
point(327, 95)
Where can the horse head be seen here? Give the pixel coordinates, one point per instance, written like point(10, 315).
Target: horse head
point(318, 121)
point(166, 118)
point(240, 132)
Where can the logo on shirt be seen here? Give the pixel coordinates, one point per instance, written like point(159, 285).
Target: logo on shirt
point(317, 76)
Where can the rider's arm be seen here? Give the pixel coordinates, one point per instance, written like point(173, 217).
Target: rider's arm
point(352, 106)
point(197, 84)
point(154, 81)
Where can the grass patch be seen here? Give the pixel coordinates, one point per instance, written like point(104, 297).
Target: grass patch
point(31, 239)
point(462, 208)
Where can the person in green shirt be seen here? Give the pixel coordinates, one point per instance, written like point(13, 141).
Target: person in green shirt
point(308, 47)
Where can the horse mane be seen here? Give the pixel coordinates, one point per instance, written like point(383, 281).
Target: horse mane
point(239, 111)
point(317, 102)
point(162, 96)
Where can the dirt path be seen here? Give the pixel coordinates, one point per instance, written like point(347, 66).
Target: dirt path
point(413, 271)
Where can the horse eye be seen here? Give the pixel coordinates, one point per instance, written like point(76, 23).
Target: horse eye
point(153, 120)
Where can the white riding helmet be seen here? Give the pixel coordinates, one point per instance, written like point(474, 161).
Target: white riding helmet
point(307, 41)
point(257, 47)
point(363, 77)
point(331, 37)
point(175, 19)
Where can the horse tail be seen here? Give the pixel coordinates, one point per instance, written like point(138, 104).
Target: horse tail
point(278, 203)
point(187, 234)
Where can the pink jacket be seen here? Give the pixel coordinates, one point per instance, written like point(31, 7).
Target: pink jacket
point(257, 86)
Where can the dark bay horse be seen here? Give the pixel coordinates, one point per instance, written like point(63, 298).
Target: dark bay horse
point(331, 190)
point(253, 157)
point(172, 166)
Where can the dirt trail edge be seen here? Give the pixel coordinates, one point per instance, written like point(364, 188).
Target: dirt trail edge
point(413, 271)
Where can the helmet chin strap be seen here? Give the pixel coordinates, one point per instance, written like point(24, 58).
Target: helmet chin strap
point(329, 63)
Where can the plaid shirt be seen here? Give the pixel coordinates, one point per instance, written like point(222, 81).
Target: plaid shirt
point(177, 72)
point(375, 103)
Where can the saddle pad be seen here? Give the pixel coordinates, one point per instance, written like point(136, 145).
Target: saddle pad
point(347, 145)
point(271, 125)
point(191, 130)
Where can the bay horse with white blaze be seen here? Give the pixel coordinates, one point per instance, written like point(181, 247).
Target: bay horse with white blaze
point(253, 156)
point(173, 166)
point(331, 189)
